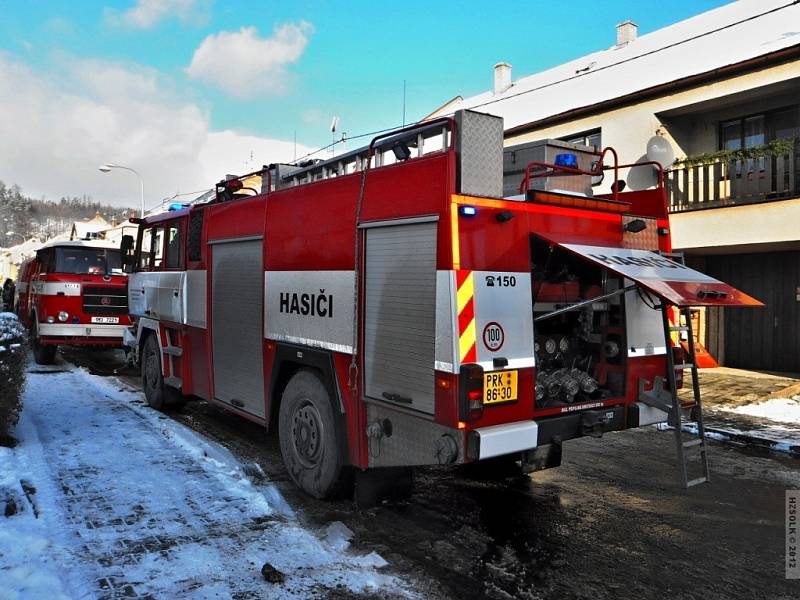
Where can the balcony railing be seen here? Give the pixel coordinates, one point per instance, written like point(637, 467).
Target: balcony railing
point(732, 183)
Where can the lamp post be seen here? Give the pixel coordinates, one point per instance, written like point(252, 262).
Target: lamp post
point(105, 168)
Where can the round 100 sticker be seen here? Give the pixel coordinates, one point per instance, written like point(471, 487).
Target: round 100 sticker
point(493, 336)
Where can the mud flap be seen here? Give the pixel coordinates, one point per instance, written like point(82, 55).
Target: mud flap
point(543, 457)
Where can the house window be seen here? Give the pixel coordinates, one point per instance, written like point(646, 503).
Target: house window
point(756, 130)
point(587, 138)
point(785, 123)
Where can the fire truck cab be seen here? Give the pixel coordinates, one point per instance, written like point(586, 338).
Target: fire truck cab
point(394, 306)
point(73, 293)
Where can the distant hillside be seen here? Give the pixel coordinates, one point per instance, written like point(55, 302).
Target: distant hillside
point(44, 218)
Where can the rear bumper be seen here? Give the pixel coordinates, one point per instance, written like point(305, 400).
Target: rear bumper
point(81, 330)
point(487, 442)
point(509, 438)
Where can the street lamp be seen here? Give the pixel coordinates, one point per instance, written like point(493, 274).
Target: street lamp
point(106, 167)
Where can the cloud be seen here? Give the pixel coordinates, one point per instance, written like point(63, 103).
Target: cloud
point(244, 64)
point(312, 115)
point(59, 126)
point(58, 26)
point(146, 14)
point(234, 152)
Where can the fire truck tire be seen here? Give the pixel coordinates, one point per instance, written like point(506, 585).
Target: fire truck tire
point(159, 395)
point(308, 436)
point(42, 354)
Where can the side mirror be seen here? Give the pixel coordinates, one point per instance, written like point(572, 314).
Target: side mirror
point(126, 245)
point(126, 250)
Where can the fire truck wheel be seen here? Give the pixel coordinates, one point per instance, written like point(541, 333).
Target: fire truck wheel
point(158, 394)
point(42, 354)
point(308, 436)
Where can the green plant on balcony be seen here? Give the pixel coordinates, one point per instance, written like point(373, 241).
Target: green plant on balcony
point(774, 149)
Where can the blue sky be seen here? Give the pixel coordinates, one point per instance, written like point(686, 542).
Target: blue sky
point(332, 58)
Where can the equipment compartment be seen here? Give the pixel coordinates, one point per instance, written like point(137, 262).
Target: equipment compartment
point(579, 351)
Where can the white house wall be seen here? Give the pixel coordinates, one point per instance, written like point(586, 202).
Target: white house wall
point(628, 128)
point(773, 223)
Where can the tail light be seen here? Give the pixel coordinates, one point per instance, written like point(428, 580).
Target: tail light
point(678, 358)
point(470, 381)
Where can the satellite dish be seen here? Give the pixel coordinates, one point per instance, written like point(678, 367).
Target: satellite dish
point(642, 177)
point(660, 150)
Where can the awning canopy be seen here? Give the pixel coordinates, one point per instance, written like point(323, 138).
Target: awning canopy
point(669, 280)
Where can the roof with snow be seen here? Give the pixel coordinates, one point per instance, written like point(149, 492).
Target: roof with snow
point(83, 229)
point(81, 243)
point(729, 35)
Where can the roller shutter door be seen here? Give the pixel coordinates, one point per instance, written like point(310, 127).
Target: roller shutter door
point(236, 321)
point(399, 319)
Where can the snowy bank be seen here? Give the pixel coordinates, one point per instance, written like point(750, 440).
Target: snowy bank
point(116, 499)
point(784, 410)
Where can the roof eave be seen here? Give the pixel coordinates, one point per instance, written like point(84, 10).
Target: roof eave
point(773, 58)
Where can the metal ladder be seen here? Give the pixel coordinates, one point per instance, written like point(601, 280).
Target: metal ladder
point(694, 442)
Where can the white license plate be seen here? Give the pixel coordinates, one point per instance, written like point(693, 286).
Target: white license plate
point(108, 320)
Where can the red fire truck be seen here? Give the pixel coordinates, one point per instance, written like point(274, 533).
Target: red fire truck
point(392, 307)
point(73, 293)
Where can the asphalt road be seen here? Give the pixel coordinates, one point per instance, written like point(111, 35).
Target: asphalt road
point(611, 522)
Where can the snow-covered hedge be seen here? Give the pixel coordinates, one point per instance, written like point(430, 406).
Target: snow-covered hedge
point(13, 359)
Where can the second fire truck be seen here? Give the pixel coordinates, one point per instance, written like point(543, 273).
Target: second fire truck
point(394, 307)
point(73, 293)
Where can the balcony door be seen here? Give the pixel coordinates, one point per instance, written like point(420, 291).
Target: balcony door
point(767, 176)
point(748, 177)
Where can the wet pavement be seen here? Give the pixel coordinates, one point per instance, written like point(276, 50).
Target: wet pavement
point(611, 522)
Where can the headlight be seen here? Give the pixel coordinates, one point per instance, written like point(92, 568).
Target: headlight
point(63, 316)
point(51, 320)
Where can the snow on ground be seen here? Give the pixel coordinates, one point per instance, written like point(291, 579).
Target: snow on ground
point(776, 437)
point(771, 423)
point(113, 499)
point(785, 410)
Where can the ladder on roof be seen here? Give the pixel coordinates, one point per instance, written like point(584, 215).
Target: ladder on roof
point(692, 442)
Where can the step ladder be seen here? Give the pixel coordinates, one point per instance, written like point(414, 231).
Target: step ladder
point(687, 445)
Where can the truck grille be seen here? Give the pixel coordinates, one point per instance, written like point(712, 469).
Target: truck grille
point(105, 300)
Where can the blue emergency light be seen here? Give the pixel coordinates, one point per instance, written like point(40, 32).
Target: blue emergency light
point(467, 211)
point(566, 160)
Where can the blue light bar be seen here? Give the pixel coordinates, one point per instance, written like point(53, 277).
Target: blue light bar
point(175, 206)
point(566, 160)
point(467, 211)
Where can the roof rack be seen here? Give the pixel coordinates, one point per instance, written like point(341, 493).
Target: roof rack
point(424, 138)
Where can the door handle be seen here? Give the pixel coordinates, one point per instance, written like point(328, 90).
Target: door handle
point(392, 397)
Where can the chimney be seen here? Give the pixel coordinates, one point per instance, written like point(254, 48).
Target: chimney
point(626, 32)
point(502, 77)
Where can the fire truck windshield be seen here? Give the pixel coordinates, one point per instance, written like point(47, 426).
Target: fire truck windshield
point(87, 261)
